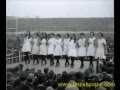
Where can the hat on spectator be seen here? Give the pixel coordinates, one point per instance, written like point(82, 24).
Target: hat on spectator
point(69, 87)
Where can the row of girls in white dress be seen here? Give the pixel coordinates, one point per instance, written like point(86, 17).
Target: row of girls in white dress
point(54, 47)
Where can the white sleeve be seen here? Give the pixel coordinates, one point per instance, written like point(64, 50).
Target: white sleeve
point(54, 42)
point(104, 41)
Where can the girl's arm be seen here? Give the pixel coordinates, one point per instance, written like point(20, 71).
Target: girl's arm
point(86, 44)
point(105, 47)
point(96, 44)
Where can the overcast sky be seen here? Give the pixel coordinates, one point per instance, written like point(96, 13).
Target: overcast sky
point(60, 8)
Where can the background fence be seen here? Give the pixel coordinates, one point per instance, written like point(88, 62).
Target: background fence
point(16, 57)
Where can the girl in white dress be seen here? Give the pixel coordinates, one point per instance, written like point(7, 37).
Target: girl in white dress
point(51, 47)
point(101, 47)
point(82, 49)
point(65, 49)
point(58, 49)
point(100, 50)
point(43, 48)
point(72, 51)
point(91, 48)
point(35, 48)
point(27, 46)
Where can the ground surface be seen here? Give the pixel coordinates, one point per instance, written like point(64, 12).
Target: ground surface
point(59, 69)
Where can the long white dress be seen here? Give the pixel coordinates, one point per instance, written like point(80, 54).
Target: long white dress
point(65, 46)
point(51, 46)
point(100, 49)
point(72, 51)
point(58, 47)
point(82, 48)
point(27, 45)
point(35, 48)
point(91, 47)
point(43, 47)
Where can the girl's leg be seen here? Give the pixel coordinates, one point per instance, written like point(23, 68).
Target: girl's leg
point(44, 60)
point(72, 62)
point(33, 59)
point(36, 57)
point(66, 62)
point(27, 56)
point(57, 63)
point(91, 61)
point(41, 59)
point(51, 60)
point(82, 64)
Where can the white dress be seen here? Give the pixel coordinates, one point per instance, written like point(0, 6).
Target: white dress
point(43, 47)
point(72, 51)
point(51, 46)
point(58, 47)
point(91, 47)
point(27, 45)
point(81, 49)
point(100, 49)
point(65, 46)
point(35, 48)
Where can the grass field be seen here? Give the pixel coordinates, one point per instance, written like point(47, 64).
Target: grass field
point(14, 37)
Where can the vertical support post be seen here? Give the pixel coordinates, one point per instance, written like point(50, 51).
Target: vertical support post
point(19, 56)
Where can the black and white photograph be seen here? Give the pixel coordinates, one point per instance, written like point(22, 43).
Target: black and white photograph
point(60, 45)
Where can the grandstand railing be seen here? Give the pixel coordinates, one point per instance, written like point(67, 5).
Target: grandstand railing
point(15, 57)
point(19, 57)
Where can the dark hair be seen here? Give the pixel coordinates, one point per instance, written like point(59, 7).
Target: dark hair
point(52, 34)
point(16, 82)
point(23, 77)
point(46, 70)
point(58, 35)
point(68, 35)
point(101, 34)
point(29, 35)
point(74, 38)
point(29, 80)
point(92, 33)
point(81, 34)
point(36, 34)
point(41, 79)
point(45, 36)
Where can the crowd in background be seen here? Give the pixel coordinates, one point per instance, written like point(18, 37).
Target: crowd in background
point(30, 79)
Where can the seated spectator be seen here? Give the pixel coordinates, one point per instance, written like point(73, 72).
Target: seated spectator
point(17, 82)
point(49, 88)
point(72, 87)
point(9, 81)
point(22, 85)
point(46, 70)
point(29, 82)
